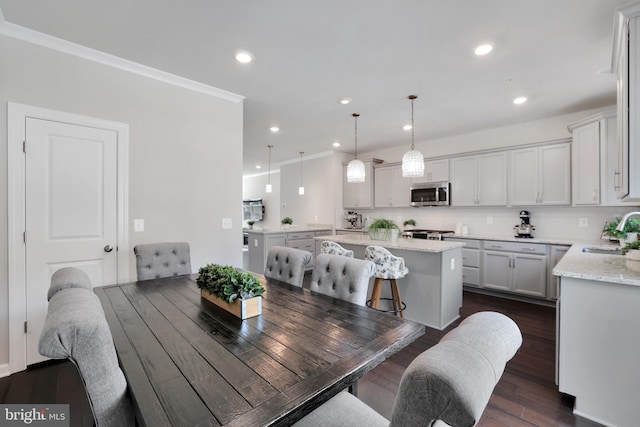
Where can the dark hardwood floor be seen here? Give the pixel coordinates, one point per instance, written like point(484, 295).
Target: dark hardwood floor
point(525, 396)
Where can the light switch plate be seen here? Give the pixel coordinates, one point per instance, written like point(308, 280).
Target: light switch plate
point(138, 225)
point(226, 223)
point(583, 222)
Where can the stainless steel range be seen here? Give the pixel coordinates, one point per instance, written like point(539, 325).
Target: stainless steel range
point(426, 234)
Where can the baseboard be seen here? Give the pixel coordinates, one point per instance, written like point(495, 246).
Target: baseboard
point(4, 370)
point(515, 297)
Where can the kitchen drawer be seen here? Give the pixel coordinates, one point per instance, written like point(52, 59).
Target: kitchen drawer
point(303, 244)
point(471, 276)
point(468, 243)
point(301, 235)
point(470, 257)
point(525, 247)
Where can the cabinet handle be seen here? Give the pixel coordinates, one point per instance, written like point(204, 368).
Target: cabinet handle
point(514, 263)
point(509, 262)
point(528, 249)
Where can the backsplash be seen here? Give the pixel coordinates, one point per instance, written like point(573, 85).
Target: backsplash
point(549, 221)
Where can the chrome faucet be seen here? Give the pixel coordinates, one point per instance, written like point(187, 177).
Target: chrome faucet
point(624, 219)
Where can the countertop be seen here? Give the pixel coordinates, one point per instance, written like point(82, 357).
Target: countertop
point(598, 267)
point(292, 229)
point(541, 240)
point(420, 245)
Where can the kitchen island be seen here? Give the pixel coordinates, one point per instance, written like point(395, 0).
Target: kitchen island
point(433, 288)
point(598, 338)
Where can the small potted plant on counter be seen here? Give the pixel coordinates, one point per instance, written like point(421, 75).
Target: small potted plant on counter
point(627, 235)
point(250, 224)
point(234, 291)
point(409, 224)
point(383, 229)
point(286, 222)
point(632, 252)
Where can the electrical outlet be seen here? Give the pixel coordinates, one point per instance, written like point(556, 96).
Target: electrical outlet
point(489, 220)
point(583, 222)
point(226, 223)
point(453, 263)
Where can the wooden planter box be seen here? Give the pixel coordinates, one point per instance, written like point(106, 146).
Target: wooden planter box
point(242, 308)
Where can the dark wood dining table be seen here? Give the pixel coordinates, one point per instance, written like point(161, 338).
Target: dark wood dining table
point(188, 362)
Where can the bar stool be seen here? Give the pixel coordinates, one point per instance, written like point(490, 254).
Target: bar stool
point(332, 248)
point(388, 267)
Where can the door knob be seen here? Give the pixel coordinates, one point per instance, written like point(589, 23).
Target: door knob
point(108, 248)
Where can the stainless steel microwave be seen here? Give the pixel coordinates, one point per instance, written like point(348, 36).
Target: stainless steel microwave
point(430, 194)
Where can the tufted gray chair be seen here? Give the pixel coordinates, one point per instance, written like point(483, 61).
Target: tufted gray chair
point(451, 382)
point(342, 277)
point(287, 264)
point(332, 248)
point(158, 260)
point(76, 329)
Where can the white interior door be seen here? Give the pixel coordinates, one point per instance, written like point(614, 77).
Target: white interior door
point(71, 211)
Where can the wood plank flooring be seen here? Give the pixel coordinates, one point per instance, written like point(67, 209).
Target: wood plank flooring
point(525, 396)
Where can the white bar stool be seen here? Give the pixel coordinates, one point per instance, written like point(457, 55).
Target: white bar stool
point(388, 267)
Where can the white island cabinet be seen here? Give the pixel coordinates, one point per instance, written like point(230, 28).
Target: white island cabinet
point(598, 338)
point(433, 288)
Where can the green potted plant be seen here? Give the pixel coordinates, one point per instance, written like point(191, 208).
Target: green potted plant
point(409, 223)
point(250, 224)
point(286, 222)
point(383, 229)
point(628, 234)
point(632, 252)
point(235, 291)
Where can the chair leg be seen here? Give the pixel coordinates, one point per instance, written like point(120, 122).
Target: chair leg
point(395, 295)
point(375, 293)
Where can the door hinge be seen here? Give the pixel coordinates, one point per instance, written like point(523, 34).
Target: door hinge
point(25, 326)
point(24, 237)
point(24, 146)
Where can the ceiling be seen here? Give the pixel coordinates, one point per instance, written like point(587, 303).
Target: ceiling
point(309, 54)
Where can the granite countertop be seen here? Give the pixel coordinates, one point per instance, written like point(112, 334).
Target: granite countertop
point(420, 245)
point(541, 240)
point(292, 229)
point(362, 230)
point(598, 267)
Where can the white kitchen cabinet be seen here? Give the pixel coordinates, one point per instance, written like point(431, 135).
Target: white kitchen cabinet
point(585, 164)
point(471, 271)
point(556, 252)
point(626, 65)
point(515, 267)
point(358, 195)
point(541, 175)
point(436, 170)
point(479, 180)
point(391, 188)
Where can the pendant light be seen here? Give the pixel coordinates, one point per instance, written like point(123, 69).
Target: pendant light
point(412, 161)
point(269, 188)
point(355, 168)
point(301, 188)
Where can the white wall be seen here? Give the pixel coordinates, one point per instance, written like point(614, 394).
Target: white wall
point(185, 151)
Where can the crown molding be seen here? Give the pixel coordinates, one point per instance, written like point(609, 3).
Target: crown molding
point(34, 37)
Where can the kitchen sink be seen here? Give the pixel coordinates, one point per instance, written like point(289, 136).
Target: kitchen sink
point(605, 251)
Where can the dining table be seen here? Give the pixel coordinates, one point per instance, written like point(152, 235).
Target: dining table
point(188, 362)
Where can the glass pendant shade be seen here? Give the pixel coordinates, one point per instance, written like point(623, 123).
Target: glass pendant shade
point(301, 188)
point(269, 188)
point(301, 191)
point(412, 161)
point(355, 171)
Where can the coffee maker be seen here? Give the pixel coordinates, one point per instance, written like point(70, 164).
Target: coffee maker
point(354, 219)
point(524, 229)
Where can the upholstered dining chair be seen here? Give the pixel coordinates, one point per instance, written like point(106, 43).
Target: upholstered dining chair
point(451, 382)
point(388, 267)
point(158, 260)
point(287, 264)
point(342, 277)
point(333, 248)
point(76, 329)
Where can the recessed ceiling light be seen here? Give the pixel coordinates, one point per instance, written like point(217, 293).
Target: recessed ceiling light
point(406, 127)
point(274, 128)
point(483, 49)
point(345, 101)
point(520, 100)
point(336, 144)
point(258, 167)
point(244, 57)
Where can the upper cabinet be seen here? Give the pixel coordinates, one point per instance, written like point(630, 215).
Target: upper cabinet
point(626, 65)
point(479, 180)
point(391, 188)
point(435, 171)
point(585, 162)
point(541, 175)
point(359, 195)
